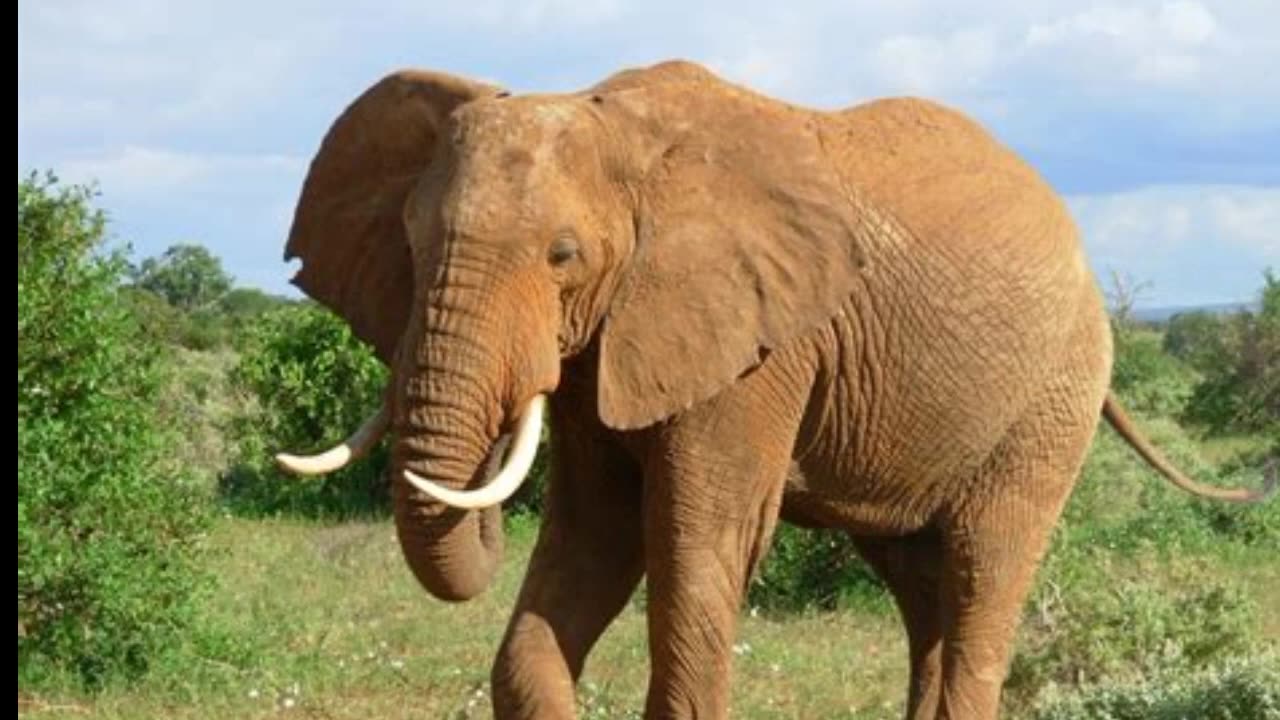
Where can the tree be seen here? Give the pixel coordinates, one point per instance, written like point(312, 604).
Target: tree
point(244, 303)
point(1123, 297)
point(1241, 386)
point(1197, 338)
point(186, 276)
point(108, 529)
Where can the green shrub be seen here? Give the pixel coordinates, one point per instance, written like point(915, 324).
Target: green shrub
point(1243, 689)
point(814, 570)
point(1197, 338)
point(1120, 503)
point(1241, 386)
point(1147, 378)
point(1258, 524)
point(1090, 621)
point(109, 531)
point(309, 383)
point(242, 305)
point(200, 329)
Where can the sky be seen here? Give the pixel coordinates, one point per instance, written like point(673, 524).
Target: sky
point(1158, 121)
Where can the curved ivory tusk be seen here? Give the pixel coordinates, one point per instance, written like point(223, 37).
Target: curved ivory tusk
point(354, 447)
point(508, 479)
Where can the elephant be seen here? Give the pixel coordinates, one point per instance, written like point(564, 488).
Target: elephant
point(732, 310)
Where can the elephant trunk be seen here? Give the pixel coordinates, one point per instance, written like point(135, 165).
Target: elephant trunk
point(452, 389)
point(454, 553)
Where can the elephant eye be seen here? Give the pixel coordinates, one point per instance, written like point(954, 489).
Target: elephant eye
point(563, 250)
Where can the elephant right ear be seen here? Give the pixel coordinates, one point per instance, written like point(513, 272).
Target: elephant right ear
point(348, 227)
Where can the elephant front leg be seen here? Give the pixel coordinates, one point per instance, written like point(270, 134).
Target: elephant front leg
point(584, 568)
point(713, 488)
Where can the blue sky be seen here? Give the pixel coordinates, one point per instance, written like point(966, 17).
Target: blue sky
point(1160, 121)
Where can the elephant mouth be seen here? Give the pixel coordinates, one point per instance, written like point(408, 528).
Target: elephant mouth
point(504, 472)
point(502, 478)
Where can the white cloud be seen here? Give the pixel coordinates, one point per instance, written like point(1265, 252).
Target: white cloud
point(1186, 22)
point(1156, 45)
point(112, 89)
point(1196, 243)
point(160, 65)
point(148, 66)
point(1250, 219)
point(142, 170)
point(531, 15)
point(1131, 29)
point(924, 64)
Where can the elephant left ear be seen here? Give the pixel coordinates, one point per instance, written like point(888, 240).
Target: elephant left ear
point(747, 237)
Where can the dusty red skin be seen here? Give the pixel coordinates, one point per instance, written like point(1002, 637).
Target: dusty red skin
point(877, 319)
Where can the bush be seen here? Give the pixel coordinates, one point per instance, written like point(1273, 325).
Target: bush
point(1245, 689)
point(242, 305)
point(1147, 378)
point(1122, 504)
point(1241, 386)
point(109, 533)
point(1102, 626)
point(814, 570)
point(203, 329)
point(1196, 338)
point(309, 383)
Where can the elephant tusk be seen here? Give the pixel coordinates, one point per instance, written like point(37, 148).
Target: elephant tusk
point(507, 480)
point(353, 448)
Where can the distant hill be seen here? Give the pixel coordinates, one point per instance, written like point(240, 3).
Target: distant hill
point(1162, 314)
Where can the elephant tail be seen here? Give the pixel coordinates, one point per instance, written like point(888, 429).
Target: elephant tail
point(1123, 425)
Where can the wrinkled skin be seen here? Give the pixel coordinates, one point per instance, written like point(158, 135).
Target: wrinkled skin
point(878, 320)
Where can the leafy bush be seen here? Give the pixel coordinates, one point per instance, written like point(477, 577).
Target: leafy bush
point(1197, 339)
point(814, 569)
point(109, 533)
point(1122, 504)
point(310, 383)
point(1105, 626)
point(1244, 689)
point(201, 329)
point(1241, 387)
point(1146, 377)
point(1257, 525)
point(241, 304)
point(1128, 590)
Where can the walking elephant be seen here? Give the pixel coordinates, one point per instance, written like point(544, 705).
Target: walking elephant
point(736, 310)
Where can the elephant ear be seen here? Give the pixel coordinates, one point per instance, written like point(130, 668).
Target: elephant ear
point(747, 237)
point(347, 227)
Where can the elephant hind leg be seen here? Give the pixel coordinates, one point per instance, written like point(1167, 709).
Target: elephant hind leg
point(910, 566)
point(994, 541)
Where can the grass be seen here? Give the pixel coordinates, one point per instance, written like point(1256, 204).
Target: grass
point(323, 620)
point(339, 629)
point(326, 622)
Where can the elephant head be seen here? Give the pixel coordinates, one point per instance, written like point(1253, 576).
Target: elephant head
point(476, 239)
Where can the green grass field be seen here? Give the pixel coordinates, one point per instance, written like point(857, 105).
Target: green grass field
point(343, 631)
point(324, 621)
